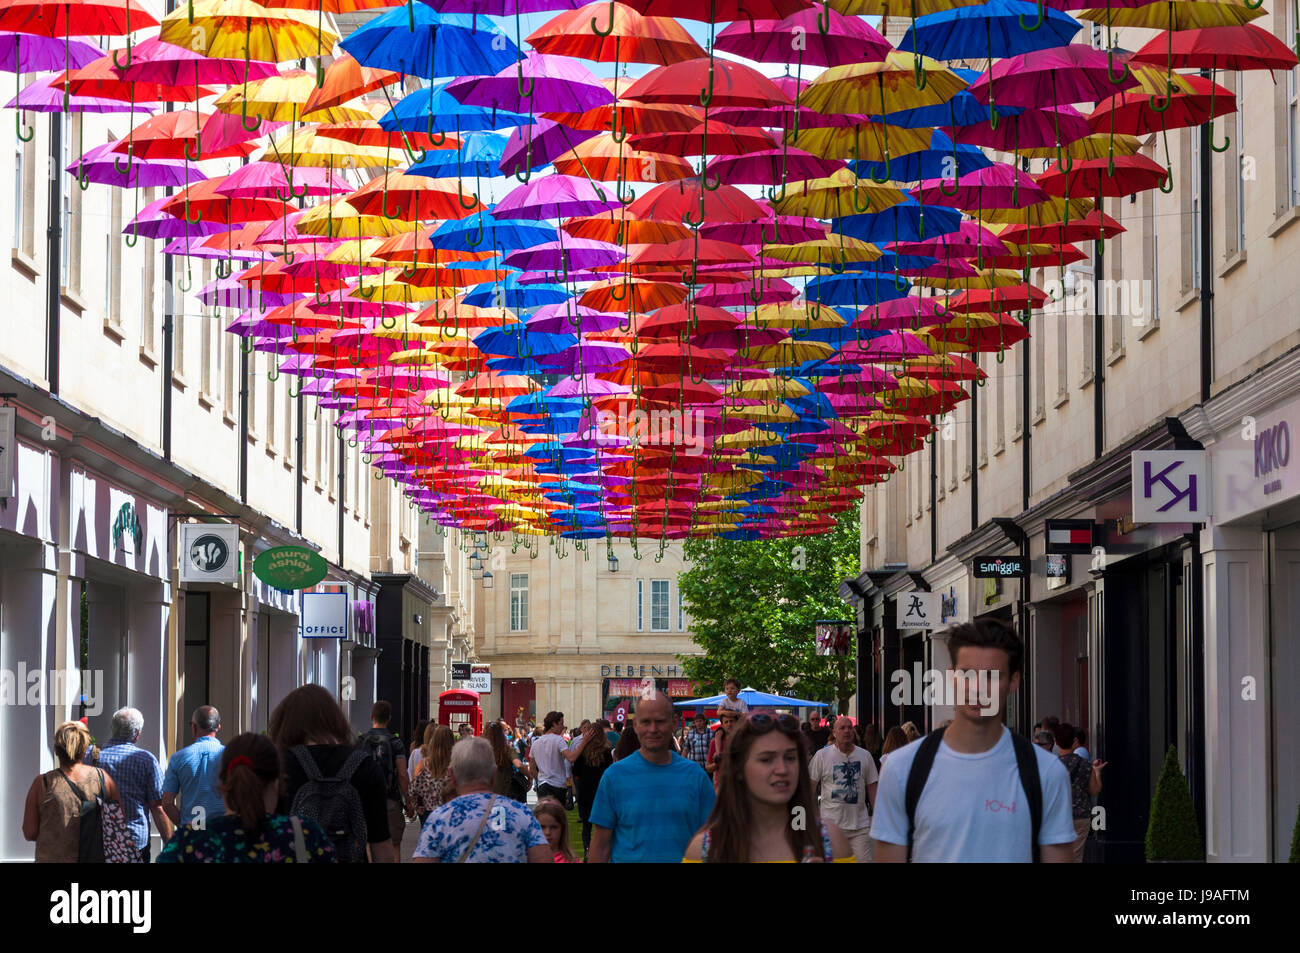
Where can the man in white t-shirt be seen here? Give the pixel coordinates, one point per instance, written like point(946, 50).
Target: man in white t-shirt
point(546, 761)
point(847, 778)
point(973, 808)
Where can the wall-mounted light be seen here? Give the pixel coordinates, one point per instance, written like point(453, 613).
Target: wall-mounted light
point(487, 580)
point(613, 562)
point(417, 619)
point(475, 563)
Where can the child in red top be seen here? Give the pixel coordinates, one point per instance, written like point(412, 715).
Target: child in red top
point(551, 815)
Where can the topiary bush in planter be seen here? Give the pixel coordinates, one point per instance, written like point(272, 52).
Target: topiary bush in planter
point(1172, 832)
point(1295, 839)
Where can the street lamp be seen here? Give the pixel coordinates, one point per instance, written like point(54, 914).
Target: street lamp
point(480, 540)
point(487, 580)
point(613, 562)
point(475, 565)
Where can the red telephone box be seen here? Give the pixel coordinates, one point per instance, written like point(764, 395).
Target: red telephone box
point(460, 706)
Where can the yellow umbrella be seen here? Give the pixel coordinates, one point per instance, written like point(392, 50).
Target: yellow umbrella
point(882, 87)
point(744, 439)
point(788, 353)
point(243, 30)
point(988, 278)
point(839, 249)
point(771, 413)
point(1048, 212)
point(341, 220)
point(872, 141)
point(1183, 15)
point(805, 316)
point(836, 195)
point(304, 147)
point(1096, 146)
point(774, 387)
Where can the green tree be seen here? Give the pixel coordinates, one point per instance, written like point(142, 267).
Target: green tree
point(754, 606)
point(1172, 831)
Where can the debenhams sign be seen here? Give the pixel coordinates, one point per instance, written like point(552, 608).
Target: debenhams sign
point(635, 671)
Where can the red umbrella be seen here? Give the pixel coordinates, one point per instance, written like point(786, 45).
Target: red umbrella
point(672, 201)
point(1058, 256)
point(75, 17)
point(707, 82)
point(997, 300)
point(1113, 177)
point(687, 319)
point(174, 136)
point(718, 11)
point(627, 37)
point(1218, 47)
point(102, 80)
point(711, 138)
point(1133, 112)
point(1094, 226)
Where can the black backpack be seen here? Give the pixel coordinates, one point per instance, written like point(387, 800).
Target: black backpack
point(377, 743)
point(334, 804)
point(1026, 763)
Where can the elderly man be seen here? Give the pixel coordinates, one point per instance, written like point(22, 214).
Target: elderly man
point(139, 779)
point(477, 826)
point(650, 804)
point(193, 771)
point(846, 776)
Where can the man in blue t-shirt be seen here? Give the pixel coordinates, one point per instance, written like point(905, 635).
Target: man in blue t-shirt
point(193, 772)
point(650, 804)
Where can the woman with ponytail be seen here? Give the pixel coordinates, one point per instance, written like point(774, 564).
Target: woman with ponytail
point(250, 832)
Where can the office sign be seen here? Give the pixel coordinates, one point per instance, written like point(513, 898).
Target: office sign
point(209, 553)
point(8, 450)
point(1170, 486)
point(290, 567)
point(324, 615)
point(1070, 537)
point(920, 610)
point(999, 567)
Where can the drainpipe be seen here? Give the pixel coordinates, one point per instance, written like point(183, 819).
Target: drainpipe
point(299, 455)
point(1024, 424)
point(243, 426)
point(343, 476)
point(975, 463)
point(1098, 354)
point(53, 251)
point(1206, 264)
point(934, 502)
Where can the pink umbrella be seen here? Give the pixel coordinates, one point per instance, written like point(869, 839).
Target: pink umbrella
point(846, 40)
point(895, 346)
point(1032, 128)
point(952, 268)
point(537, 84)
point(272, 180)
point(587, 386)
point(554, 196)
point(869, 380)
point(154, 61)
point(575, 253)
point(1000, 185)
point(768, 290)
point(899, 313)
point(970, 240)
point(1062, 74)
point(586, 357)
point(775, 229)
point(569, 317)
point(772, 167)
point(223, 130)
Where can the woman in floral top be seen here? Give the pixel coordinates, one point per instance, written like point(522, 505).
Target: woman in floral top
point(478, 826)
point(251, 833)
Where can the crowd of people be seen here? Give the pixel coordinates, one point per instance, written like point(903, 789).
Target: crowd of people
point(756, 787)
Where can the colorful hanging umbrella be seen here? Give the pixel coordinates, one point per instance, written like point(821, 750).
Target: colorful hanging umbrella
point(414, 40)
point(626, 37)
point(244, 30)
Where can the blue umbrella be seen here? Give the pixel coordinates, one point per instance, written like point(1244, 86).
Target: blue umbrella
point(414, 40)
point(859, 290)
point(479, 155)
point(432, 109)
point(962, 110)
point(752, 697)
point(936, 162)
point(906, 221)
point(519, 297)
point(482, 232)
point(989, 31)
point(517, 341)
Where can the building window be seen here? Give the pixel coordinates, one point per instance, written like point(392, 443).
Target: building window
point(251, 383)
point(1236, 184)
point(25, 196)
point(1150, 303)
point(230, 374)
point(658, 605)
point(518, 602)
point(1292, 118)
point(981, 415)
point(998, 382)
point(640, 605)
point(271, 387)
point(681, 615)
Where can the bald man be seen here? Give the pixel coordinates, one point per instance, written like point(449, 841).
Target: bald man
point(847, 778)
point(650, 804)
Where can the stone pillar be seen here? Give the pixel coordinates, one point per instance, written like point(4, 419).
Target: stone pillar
point(1045, 659)
point(1236, 717)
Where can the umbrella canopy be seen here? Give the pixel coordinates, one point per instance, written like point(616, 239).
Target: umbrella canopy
point(754, 699)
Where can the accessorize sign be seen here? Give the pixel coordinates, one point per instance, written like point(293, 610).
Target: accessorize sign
point(324, 615)
point(209, 553)
point(290, 567)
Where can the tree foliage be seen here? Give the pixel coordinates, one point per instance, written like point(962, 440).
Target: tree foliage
point(754, 606)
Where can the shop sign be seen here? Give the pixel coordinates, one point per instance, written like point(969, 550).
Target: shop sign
point(8, 450)
point(834, 638)
point(290, 567)
point(363, 617)
point(992, 590)
point(324, 615)
point(638, 671)
point(1170, 486)
point(1272, 453)
point(998, 567)
point(681, 688)
point(1072, 537)
point(920, 610)
point(127, 523)
point(480, 678)
point(948, 605)
point(459, 671)
point(1057, 570)
point(209, 553)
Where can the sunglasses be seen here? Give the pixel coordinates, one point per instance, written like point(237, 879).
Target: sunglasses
point(765, 722)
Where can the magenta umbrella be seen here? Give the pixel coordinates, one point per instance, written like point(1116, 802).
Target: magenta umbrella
point(952, 268)
point(772, 167)
point(32, 53)
point(554, 196)
point(846, 40)
point(265, 179)
point(569, 317)
point(537, 84)
point(182, 246)
point(768, 290)
point(153, 61)
point(969, 241)
point(1033, 128)
point(222, 130)
point(774, 230)
point(1000, 185)
point(586, 357)
point(530, 147)
point(868, 380)
point(100, 164)
point(152, 222)
point(40, 97)
point(1063, 74)
point(895, 346)
point(571, 253)
point(588, 386)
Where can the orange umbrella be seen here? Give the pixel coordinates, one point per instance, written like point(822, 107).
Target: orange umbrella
point(202, 201)
point(627, 36)
point(175, 136)
point(413, 198)
point(620, 226)
point(674, 200)
point(102, 80)
point(345, 79)
point(632, 294)
point(606, 160)
point(415, 248)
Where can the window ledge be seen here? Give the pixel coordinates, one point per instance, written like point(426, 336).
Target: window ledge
point(227, 419)
point(73, 301)
point(1085, 378)
point(271, 450)
point(1000, 449)
point(179, 381)
point(206, 400)
point(25, 264)
point(1115, 356)
point(1187, 298)
point(1062, 399)
point(252, 436)
point(1148, 328)
point(1232, 263)
point(1283, 220)
point(1040, 416)
point(114, 330)
point(288, 464)
point(148, 357)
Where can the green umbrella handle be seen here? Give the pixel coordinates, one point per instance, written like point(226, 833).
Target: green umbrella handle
point(1039, 21)
point(610, 29)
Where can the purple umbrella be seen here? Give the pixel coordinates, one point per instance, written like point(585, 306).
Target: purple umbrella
point(100, 165)
point(42, 98)
point(554, 196)
point(895, 346)
point(231, 293)
point(1000, 185)
point(576, 253)
point(586, 357)
point(531, 147)
point(769, 290)
point(537, 84)
point(587, 386)
point(782, 229)
point(30, 53)
point(569, 317)
point(202, 250)
point(772, 167)
point(502, 8)
point(970, 240)
point(846, 40)
point(1062, 74)
point(153, 61)
point(152, 222)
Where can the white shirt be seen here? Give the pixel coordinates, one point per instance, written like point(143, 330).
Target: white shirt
point(844, 779)
point(416, 757)
point(973, 807)
point(552, 766)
